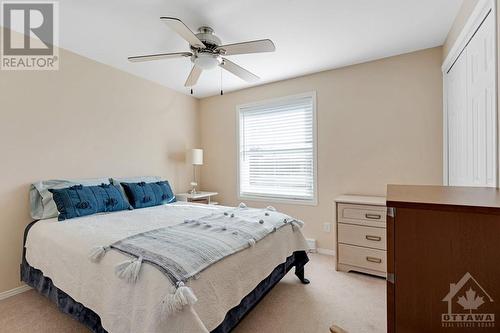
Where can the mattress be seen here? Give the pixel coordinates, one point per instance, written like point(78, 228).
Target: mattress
point(60, 250)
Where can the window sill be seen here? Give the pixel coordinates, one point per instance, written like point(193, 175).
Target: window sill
point(301, 202)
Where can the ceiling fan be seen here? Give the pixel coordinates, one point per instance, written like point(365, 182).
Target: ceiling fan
point(207, 52)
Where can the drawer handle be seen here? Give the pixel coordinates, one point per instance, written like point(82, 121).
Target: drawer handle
point(374, 238)
point(373, 216)
point(375, 260)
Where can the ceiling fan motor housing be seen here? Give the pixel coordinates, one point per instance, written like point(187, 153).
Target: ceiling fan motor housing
point(207, 36)
point(207, 58)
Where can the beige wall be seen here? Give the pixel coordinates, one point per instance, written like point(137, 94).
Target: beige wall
point(378, 123)
point(85, 120)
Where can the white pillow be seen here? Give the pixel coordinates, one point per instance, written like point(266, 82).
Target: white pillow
point(146, 179)
point(41, 202)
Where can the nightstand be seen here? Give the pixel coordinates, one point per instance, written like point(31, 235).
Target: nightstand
point(361, 234)
point(199, 197)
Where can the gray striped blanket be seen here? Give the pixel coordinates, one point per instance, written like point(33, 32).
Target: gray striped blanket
point(184, 250)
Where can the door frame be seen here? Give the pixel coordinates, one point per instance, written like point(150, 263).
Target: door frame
point(480, 12)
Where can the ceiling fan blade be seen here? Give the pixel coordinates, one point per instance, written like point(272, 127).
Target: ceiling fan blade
point(238, 71)
point(256, 46)
point(186, 33)
point(193, 77)
point(159, 56)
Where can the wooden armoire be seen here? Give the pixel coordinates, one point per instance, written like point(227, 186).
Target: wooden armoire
point(443, 259)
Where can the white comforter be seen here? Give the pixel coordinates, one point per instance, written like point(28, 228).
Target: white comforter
point(60, 250)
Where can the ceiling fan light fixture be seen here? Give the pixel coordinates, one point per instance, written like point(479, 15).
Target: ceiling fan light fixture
point(206, 61)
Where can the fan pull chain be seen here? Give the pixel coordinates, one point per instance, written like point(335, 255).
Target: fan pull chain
point(221, 90)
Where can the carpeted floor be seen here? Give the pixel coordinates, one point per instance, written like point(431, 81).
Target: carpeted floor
point(352, 301)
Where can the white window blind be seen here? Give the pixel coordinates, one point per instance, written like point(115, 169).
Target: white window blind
point(277, 153)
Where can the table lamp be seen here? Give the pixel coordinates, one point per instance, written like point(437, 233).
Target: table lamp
point(196, 158)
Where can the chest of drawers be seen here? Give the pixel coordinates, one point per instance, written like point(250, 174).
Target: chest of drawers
point(361, 234)
point(443, 254)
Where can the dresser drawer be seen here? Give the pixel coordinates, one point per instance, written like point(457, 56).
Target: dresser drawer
point(362, 257)
point(374, 216)
point(362, 236)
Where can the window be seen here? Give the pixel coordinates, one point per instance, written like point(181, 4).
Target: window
point(277, 153)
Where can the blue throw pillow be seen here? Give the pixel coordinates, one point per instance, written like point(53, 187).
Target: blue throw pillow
point(142, 195)
point(79, 200)
point(167, 193)
point(110, 198)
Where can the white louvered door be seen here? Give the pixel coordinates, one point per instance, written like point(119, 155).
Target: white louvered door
point(459, 149)
point(481, 99)
point(471, 112)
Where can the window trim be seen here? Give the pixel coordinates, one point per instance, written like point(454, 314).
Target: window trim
point(270, 198)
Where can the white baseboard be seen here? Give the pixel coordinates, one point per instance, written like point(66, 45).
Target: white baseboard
point(15, 291)
point(327, 252)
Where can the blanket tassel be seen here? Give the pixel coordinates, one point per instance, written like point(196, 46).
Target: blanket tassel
point(251, 242)
point(183, 296)
point(129, 270)
point(296, 225)
point(97, 253)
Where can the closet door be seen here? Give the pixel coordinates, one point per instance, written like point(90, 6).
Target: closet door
point(481, 103)
point(459, 133)
point(471, 110)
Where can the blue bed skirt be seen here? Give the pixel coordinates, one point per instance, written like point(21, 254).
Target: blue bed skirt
point(35, 278)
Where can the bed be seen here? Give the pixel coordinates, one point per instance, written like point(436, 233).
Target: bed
point(55, 262)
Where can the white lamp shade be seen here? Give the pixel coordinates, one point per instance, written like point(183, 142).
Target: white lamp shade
point(196, 156)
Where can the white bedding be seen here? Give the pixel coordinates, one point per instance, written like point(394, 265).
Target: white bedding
point(60, 250)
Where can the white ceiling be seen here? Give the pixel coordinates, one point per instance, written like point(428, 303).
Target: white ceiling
point(310, 36)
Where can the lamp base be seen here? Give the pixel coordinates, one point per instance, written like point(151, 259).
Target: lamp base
point(193, 189)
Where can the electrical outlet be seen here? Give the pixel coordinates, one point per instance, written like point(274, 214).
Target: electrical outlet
point(327, 227)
